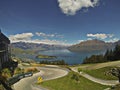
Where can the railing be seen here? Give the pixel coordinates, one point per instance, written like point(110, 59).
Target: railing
point(7, 85)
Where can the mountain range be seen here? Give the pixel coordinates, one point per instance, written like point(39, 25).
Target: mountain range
point(36, 46)
point(93, 46)
point(85, 46)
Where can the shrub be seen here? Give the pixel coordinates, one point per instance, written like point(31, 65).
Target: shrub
point(75, 77)
point(80, 70)
point(34, 70)
point(5, 74)
point(18, 71)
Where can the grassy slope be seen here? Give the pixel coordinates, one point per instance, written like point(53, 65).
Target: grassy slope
point(98, 70)
point(66, 83)
point(101, 73)
point(99, 65)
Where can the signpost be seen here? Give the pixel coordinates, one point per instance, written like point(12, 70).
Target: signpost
point(40, 80)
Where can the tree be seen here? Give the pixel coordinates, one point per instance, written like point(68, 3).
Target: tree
point(109, 55)
point(94, 59)
point(116, 52)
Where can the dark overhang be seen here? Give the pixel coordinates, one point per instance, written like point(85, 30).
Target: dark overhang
point(4, 38)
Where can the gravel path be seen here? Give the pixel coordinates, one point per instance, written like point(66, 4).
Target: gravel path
point(47, 73)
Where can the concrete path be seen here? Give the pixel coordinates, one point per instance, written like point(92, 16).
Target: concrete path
point(48, 73)
point(97, 80)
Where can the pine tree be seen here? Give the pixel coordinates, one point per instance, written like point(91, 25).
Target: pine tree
point(116, 52)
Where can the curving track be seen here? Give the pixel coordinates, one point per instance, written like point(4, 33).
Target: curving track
point(48, 73)
point(97, 80)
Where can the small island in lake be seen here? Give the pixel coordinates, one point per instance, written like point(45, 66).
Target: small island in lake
point(45, 56)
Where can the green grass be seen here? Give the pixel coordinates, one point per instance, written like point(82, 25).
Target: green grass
point(67, 83)
point(101, 73)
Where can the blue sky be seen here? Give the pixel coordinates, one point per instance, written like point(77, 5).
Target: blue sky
point(60, 21)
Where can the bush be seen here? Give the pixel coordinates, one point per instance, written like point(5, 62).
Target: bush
point(34, 70)
point(1, 87)
point(5, 74)
point(75, 77)
point(80, 70)
point(18, 71)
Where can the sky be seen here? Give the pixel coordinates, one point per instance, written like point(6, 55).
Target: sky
point(62, 22)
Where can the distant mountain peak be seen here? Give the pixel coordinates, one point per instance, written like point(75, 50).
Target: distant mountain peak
point(91, 46)
point(93, 41)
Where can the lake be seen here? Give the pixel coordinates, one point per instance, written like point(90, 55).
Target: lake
point(64, 54)
point(68, 56)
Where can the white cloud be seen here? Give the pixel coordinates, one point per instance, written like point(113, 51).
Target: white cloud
point(79, 41)
point(20, 37)
point(100, 35)
point(45, 41)
point(59, 36)
point(51, 42)
point(110, 35)
point(27, 37)
point(113, 40)
point(70, 7)
point(44, 35)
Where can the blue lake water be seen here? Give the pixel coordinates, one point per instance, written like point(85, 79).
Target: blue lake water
point(64, 54)
point(68, 56)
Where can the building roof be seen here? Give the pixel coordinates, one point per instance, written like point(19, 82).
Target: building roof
point(4, 38)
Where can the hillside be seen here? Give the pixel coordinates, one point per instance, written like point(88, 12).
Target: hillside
point(91, 46)
point(28, 49)
point(35, 46)
point(98, 65)
point(117, 43)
